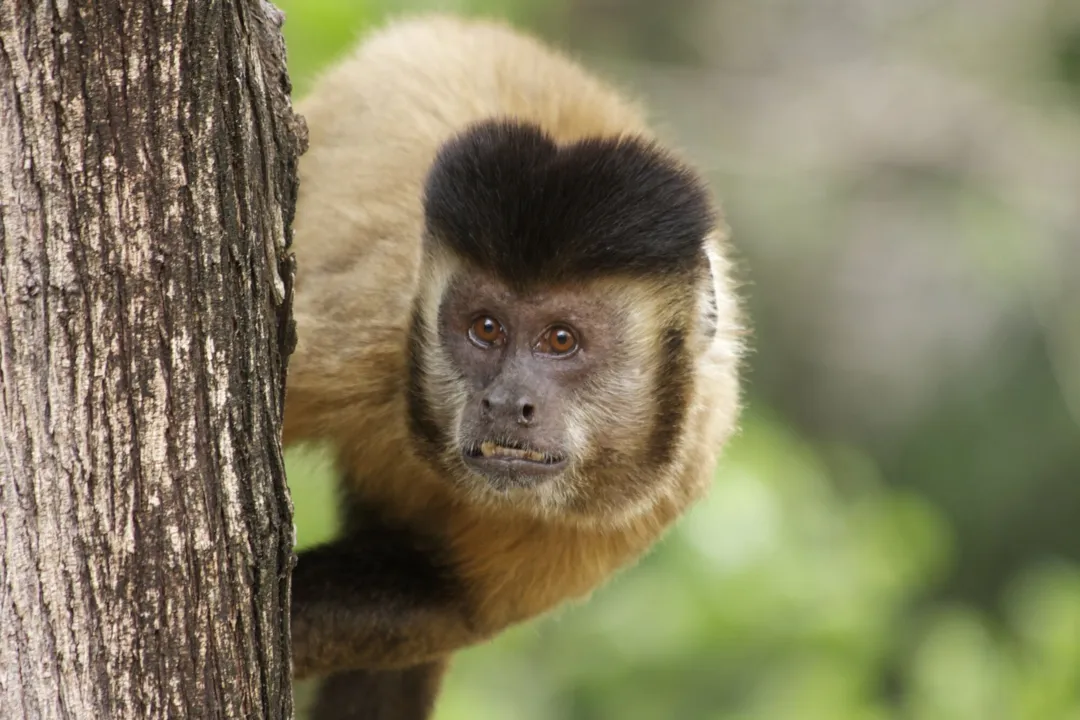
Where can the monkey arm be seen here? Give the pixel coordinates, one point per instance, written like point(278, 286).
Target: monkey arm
point(379, 598)
point(407, 694)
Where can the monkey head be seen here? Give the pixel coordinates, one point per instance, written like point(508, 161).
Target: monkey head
point(567, 294)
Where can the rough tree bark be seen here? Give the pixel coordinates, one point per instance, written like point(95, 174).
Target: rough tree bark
point(147, 185)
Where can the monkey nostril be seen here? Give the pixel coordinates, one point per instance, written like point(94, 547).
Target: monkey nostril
point(485, 405)
point(527, 411)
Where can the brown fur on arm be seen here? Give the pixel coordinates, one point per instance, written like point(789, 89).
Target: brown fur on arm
point(384, 596)
point(407, 694)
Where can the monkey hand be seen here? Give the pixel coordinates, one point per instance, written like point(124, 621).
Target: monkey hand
point(377, 602)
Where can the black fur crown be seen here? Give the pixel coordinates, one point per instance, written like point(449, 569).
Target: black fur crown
point(505, 197)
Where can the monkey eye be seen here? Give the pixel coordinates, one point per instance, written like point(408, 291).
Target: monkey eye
point(486, 331)
point(557, 340)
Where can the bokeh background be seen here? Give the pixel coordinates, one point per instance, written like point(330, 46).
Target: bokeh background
point(896, 531)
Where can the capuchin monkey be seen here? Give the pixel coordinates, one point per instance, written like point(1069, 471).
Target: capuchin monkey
point(517, 330)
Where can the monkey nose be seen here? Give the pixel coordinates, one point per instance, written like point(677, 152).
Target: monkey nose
point(496, 407)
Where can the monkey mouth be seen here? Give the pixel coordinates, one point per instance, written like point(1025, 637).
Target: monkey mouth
point(507, 457)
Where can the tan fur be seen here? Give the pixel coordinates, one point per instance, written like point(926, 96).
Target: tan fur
point(375, 122)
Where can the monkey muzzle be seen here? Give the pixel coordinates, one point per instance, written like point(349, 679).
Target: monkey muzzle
point(506, 462)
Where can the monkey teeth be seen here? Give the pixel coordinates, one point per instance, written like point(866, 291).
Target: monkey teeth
point(491, 450)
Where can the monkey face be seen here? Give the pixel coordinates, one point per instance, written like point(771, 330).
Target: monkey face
point(566, 399)
point(522, 361)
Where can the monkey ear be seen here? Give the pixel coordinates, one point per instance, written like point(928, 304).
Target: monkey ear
point(709, 311)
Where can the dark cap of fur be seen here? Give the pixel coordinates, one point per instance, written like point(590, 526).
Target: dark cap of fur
point(503, 196)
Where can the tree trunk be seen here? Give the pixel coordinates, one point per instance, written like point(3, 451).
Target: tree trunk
point(147, 186)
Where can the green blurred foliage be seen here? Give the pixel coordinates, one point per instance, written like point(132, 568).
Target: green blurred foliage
point(863, 555)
